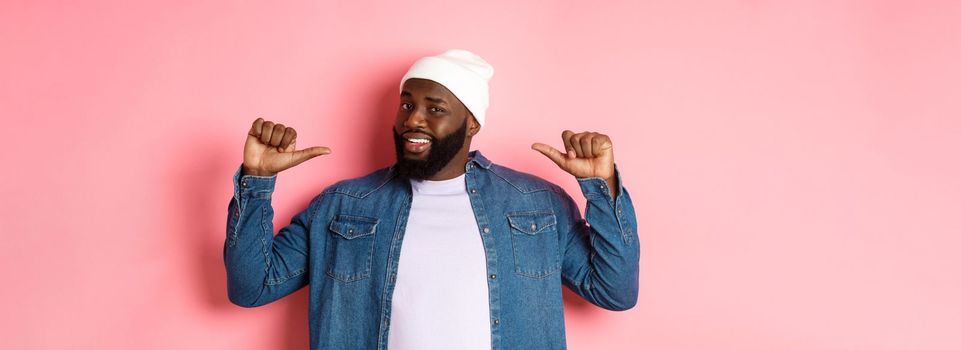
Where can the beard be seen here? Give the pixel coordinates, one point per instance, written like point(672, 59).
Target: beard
point(440, 153)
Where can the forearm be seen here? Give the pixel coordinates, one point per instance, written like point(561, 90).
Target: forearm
point(604, 260)
point(259, 266)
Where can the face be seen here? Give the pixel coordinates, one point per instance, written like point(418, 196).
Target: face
point(432, 128)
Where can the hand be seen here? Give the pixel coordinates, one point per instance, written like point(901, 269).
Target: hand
point(589, 154)
point(272, 148)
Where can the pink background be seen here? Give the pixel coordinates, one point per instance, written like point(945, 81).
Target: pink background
point(795, 165)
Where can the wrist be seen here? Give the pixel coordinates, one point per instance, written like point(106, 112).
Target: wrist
point(612, 185)
point(254, 172)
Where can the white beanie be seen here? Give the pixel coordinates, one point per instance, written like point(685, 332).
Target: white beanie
point(460, 71)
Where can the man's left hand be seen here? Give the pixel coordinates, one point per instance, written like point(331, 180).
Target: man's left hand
point(589, 154)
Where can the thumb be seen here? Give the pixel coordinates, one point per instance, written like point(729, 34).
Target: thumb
point(551, 153)
point(303, 155)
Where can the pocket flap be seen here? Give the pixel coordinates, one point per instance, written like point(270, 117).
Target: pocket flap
point(350, 226)
point(532, 222)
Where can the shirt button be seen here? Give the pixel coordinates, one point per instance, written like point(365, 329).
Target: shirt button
point(494, 276)
point(473, 190)
point(533, 226)
point(243, 183)
point(497, 321)
point(487, 230)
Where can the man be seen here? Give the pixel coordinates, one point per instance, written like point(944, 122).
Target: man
point(444, 249)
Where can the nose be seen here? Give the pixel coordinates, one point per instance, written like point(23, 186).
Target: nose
point(415, 120)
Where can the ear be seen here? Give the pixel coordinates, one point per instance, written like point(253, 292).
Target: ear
point(473, 127)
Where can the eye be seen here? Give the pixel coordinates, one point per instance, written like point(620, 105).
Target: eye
point(406, 106)
point(435, 109)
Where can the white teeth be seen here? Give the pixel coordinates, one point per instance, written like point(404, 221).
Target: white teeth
point(418, 140)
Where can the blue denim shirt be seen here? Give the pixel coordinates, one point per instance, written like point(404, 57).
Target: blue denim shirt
point(346, 245)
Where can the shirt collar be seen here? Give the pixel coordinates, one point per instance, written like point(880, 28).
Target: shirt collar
point(479, 159)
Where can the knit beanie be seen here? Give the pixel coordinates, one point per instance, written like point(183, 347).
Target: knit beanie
point(460, 71)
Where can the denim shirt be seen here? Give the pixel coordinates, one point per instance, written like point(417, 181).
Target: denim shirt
point(346, 245)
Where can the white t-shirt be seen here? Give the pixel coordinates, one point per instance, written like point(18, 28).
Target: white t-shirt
point(440, 300)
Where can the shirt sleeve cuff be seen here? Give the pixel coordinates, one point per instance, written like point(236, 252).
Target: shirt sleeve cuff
point(258, 186)
point(597, 187)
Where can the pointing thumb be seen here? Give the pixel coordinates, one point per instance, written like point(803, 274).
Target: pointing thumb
point(550, 152)
point(307, 153)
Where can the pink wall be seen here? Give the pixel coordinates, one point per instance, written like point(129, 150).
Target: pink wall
point(794, 164)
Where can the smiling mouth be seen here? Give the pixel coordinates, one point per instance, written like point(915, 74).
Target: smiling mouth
point(416, 145)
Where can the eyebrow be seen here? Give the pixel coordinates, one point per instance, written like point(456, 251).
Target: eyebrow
point(437, 100)
point(433, 99)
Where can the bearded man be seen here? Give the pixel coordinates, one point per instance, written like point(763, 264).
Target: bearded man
point(444, 249)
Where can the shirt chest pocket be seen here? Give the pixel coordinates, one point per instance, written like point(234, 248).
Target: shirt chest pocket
point(534, 238)
point(350, 247)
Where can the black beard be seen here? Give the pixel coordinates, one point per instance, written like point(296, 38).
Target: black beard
point(441, 152)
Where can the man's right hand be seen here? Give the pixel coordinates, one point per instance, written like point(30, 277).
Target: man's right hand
point(272, 148)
